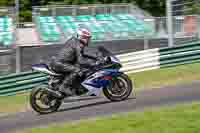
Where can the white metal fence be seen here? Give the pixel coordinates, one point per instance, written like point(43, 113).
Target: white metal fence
point(183, 20)
point(91, 9)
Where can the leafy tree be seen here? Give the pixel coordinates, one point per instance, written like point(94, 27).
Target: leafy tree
point(155, 7)
point(7, 2)
point(26, 16)
point(192, 8)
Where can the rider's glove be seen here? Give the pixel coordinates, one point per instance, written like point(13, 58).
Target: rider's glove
point(80, 73)
point(100, 62)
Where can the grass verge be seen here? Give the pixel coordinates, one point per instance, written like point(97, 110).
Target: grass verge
point(179, 119)
point(149, 79)
point(12, 104)
point(166, 76)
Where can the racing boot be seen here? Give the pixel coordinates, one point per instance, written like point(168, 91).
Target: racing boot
point(65, 91)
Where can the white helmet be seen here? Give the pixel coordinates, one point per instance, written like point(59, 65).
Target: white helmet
point(84, 36)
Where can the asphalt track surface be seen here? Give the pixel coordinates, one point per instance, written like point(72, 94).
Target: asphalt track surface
point(98, 107)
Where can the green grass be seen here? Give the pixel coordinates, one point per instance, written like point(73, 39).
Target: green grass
point(11, 104)
point(166, 76)
point(179, 119)
point(149, 79)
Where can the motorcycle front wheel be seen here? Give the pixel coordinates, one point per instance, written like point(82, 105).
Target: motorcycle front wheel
point(119, 89)
point(42, 102)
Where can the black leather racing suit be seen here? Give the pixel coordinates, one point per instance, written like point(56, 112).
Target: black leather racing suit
point(68, 62)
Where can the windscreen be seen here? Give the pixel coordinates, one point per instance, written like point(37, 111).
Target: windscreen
point(104, 52)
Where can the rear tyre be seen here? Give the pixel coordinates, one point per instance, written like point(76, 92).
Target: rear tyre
point(119, 89)
point(42, 102)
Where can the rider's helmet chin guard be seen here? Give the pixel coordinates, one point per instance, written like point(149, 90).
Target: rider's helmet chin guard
point(84, 35)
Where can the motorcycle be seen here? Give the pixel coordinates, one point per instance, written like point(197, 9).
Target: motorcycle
point(106, 78)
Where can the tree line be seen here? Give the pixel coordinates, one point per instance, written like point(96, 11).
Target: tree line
point(155, 7)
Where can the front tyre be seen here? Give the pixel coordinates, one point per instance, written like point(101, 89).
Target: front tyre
point(119, 89)
point(42, 102)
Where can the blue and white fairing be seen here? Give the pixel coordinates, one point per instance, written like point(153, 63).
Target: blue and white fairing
point(99, 80)
point(114, 59)
point(43, 68)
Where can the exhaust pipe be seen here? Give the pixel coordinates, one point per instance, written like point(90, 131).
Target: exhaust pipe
point(54, 93)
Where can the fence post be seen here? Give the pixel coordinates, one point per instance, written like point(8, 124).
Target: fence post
point(54, 12)
point(74, 11)
point(170, 23)
point(146, 43)
point(198, 26)
point(17, 11)
point(18, 59)
point(93, 11)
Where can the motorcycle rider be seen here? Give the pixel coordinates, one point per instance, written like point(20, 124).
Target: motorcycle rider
point(68, 61)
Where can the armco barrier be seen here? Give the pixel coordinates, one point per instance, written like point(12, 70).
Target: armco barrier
point(18, 83)
point(159, 58)
point(132, 62)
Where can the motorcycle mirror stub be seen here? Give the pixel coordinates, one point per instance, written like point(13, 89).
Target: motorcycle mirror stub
point(107, 59)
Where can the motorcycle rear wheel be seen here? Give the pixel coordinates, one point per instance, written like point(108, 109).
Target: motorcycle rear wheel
point(119, 89)
point(52, 104)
